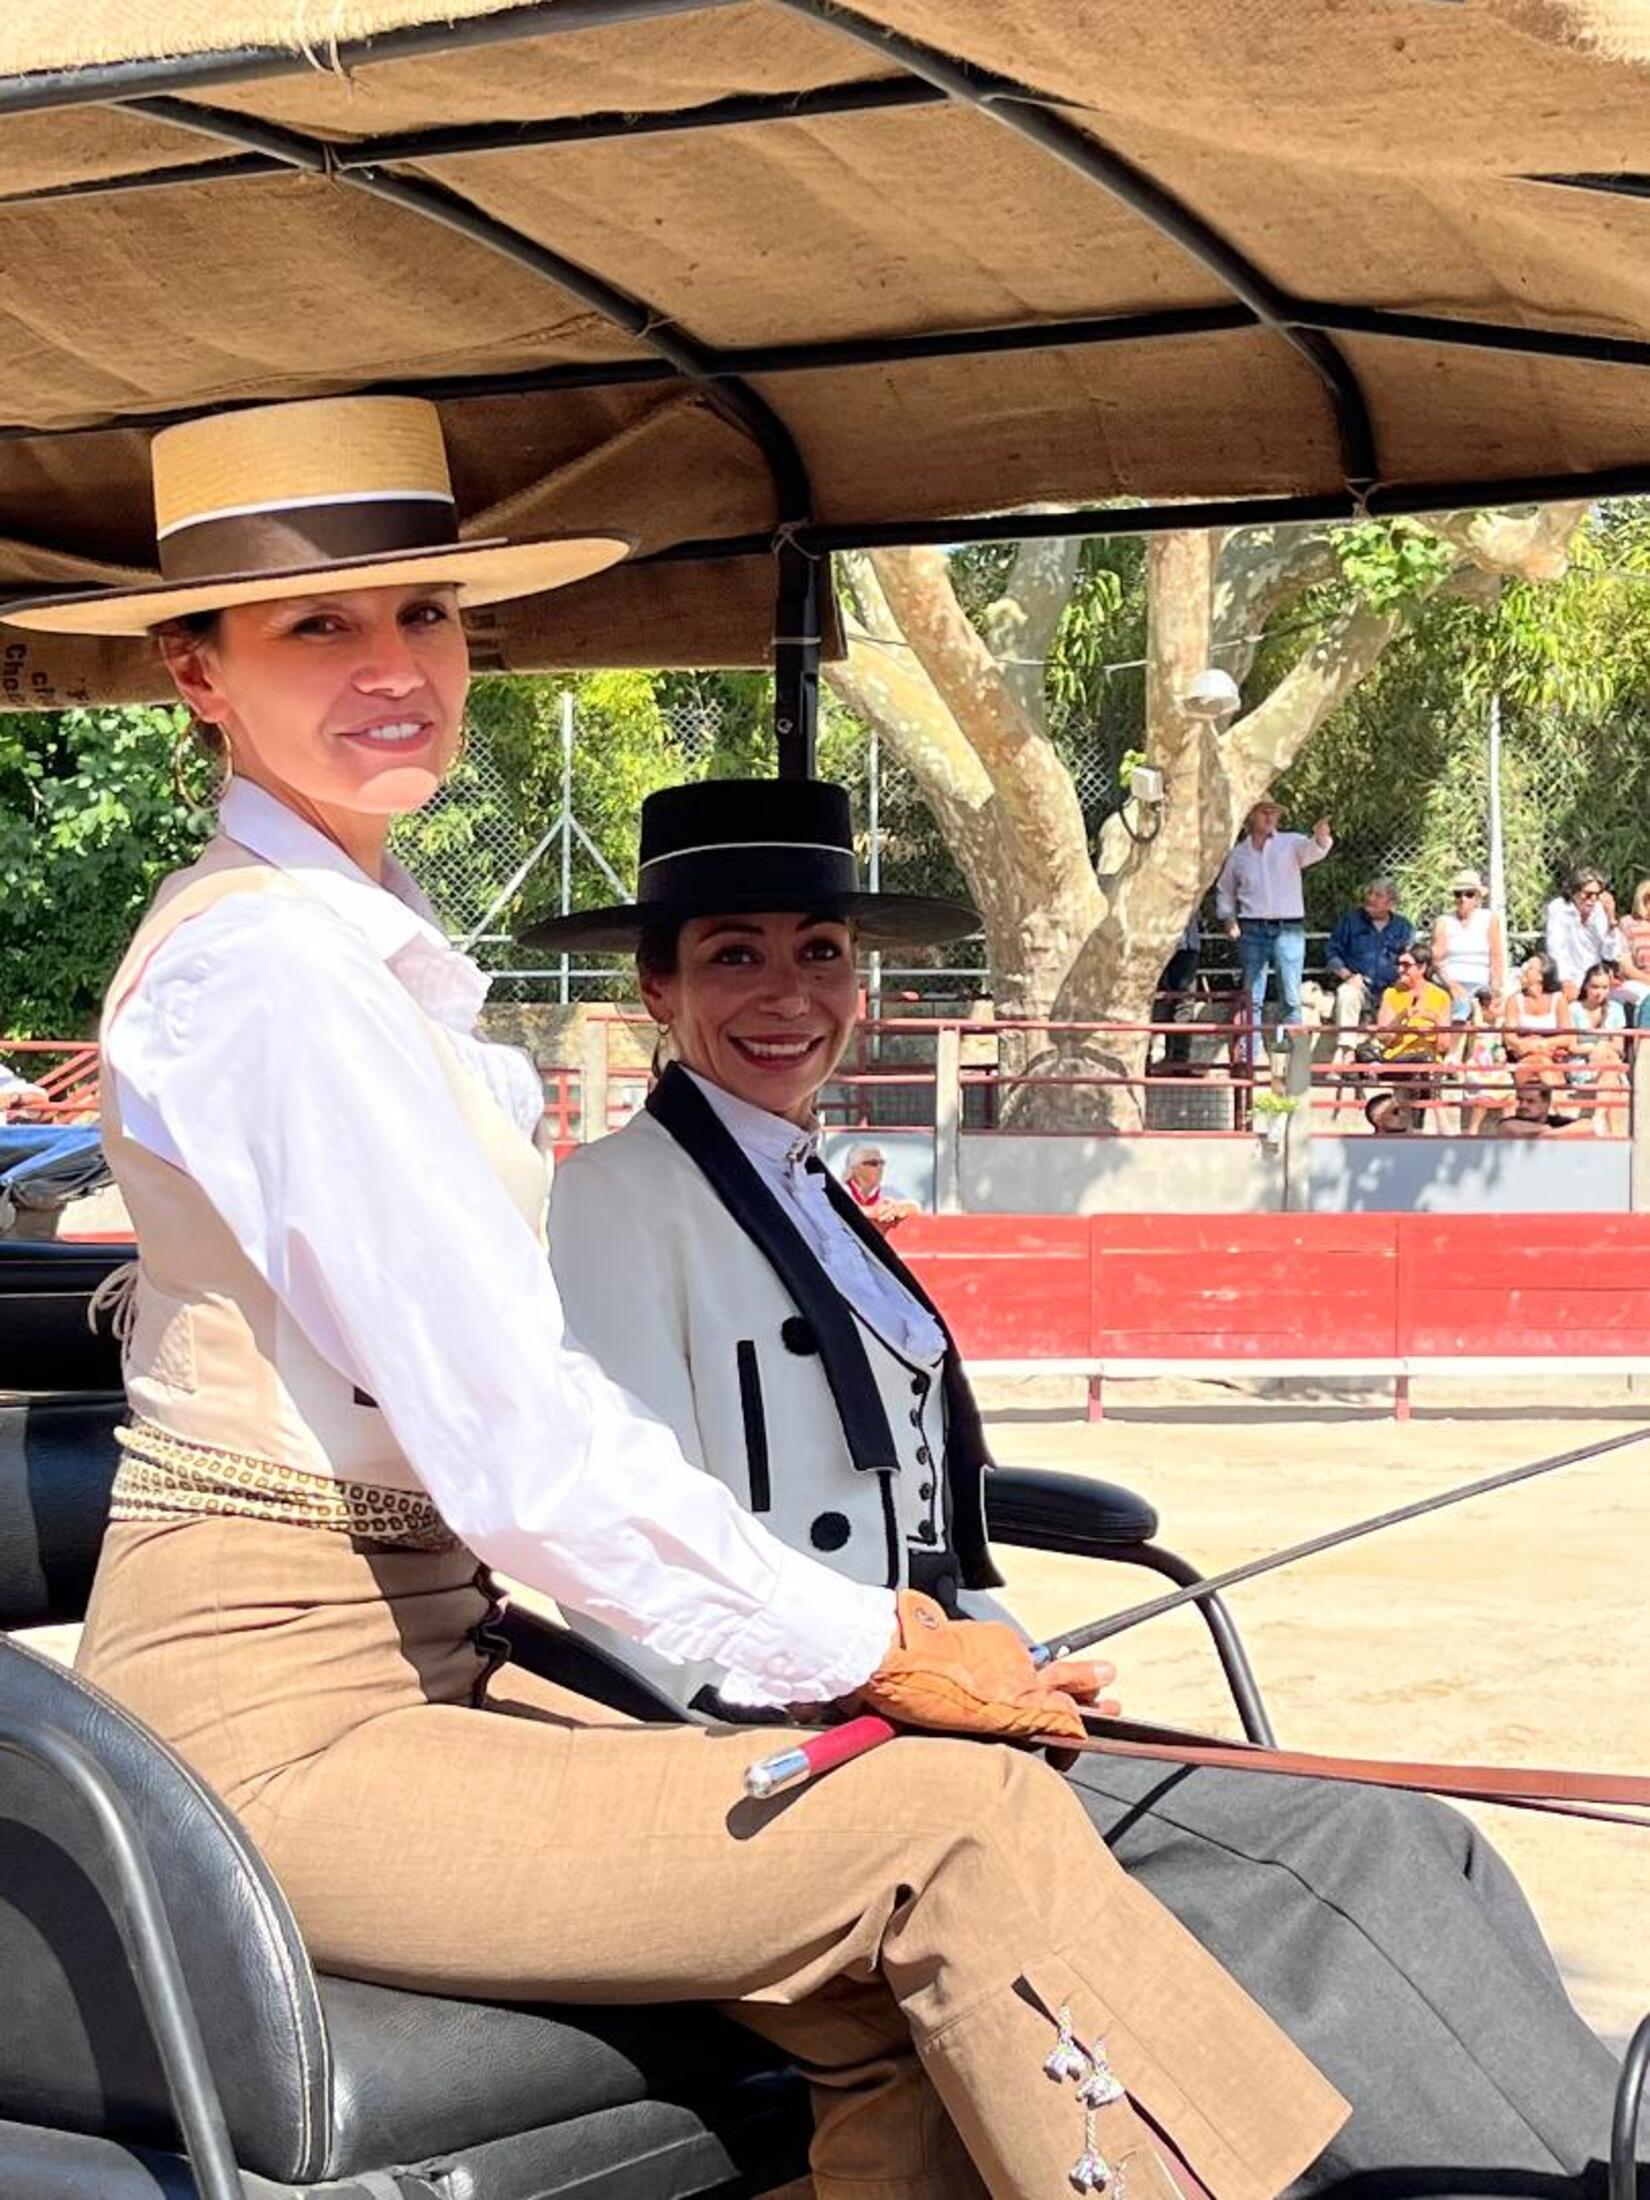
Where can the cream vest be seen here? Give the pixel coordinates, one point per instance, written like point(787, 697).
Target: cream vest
point(210, 1354)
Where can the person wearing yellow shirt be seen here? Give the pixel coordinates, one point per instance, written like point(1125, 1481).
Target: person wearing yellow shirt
point(1413, 1022)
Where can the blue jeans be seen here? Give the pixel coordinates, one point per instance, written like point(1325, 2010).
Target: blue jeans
point(1273, 943)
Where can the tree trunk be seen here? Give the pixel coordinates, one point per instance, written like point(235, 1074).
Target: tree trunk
point(1078, 938)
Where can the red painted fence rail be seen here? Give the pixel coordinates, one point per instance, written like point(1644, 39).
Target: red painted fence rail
point(1261, 1287)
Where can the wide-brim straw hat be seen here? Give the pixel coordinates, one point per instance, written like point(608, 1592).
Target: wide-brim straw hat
point(744, 847)
point(326, 494)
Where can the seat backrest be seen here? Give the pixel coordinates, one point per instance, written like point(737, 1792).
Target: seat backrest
point(75, 2048)
point(46, 1339)
point(57, 1460)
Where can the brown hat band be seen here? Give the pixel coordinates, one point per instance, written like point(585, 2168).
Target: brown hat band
point(286, 538)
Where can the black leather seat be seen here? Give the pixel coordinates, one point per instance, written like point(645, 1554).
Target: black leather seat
point(329, 2086)
point(331, 2089)
point(46, 1342)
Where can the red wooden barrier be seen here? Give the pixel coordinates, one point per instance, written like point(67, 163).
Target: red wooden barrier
point(1316, 1287)
point(1013, 1286)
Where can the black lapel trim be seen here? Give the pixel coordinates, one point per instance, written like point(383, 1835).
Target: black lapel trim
point(678, 1106)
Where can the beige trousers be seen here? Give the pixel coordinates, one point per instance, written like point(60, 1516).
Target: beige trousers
point(906, 1927)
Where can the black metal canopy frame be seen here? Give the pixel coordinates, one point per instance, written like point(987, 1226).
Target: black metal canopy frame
point(922, 76)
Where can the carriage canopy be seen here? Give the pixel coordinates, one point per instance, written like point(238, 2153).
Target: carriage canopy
point(755, 279)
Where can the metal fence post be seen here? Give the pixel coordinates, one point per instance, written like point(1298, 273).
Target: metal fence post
point(1638, 1122)
point(592, 1079)
point(948, 1120)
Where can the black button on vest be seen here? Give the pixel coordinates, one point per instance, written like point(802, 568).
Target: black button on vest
point(830, 1531)
point(796, 1334)
point(928, 1533)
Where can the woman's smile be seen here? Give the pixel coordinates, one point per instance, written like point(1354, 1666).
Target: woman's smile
point(400, 734)
point(780, 1051)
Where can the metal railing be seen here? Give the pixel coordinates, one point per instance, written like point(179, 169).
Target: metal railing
point(1205, 1079)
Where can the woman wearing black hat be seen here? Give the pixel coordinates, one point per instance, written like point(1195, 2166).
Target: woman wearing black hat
point(715, 1269)
point(352, 1395)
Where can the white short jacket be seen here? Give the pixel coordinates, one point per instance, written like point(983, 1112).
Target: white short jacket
point(662, 1283)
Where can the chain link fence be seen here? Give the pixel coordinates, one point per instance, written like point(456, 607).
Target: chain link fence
point(1516, 787)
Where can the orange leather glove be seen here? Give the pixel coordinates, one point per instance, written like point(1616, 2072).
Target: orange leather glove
point(975, 1677)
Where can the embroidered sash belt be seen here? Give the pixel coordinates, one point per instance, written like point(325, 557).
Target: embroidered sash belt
point(165, 1477)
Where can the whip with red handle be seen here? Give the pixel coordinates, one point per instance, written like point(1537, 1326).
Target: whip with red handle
point(1564, 1791)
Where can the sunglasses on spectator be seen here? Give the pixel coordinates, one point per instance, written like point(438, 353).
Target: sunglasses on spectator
point(1466, 893)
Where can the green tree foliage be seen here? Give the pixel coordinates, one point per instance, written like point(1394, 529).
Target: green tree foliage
point(89, 824)
point(1403, 767)
point(89, 819)
point(506, 793)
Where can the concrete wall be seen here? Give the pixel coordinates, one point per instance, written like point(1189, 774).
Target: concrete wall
point(1467, 1176)
point(1022, 1173)
point(1007, 1172)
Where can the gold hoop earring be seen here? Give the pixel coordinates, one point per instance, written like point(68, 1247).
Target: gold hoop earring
point(200, 746)
point(663, 1055)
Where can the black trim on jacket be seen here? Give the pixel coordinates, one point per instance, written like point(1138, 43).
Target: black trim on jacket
point(756, 1425)
point(968, 1457)
point(679, 1107)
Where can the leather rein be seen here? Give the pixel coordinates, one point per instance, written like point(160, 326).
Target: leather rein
point(1618, 1796)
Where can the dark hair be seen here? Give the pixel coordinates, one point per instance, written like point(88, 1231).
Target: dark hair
point(1384, 1099)
point(1603, 970)
point(1420, 956)
point(657, 946)
point(1579, 879)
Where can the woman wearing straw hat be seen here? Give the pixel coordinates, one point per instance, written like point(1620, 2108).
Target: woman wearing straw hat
point(715, 1269)
point(352, 1395)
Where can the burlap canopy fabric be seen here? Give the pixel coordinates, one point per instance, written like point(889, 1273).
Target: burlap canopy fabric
point(1395, 155)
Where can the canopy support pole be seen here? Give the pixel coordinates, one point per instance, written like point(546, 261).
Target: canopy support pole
point(797, 608)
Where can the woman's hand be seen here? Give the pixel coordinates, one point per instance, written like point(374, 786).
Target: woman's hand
point(976, 1677)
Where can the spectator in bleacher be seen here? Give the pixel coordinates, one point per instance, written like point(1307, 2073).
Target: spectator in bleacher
point(1635, 941)
point(1363, 952)
point(1179, 974)
point(867, 1188)
point(1412, 1026)
point(1599, 1064)
point(1388, 1116)
point(1534, 1084)
point(1537, 1019)
point(1469, 947)
point(1581, 930)
point(1487, 1090)
point(1258, 898)
point(16, 1092)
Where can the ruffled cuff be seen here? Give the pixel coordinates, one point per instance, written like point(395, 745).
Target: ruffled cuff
point(817, 1638)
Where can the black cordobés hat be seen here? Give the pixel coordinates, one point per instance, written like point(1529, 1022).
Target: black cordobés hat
point(737, 847)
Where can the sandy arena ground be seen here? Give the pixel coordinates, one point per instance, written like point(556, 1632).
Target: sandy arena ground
point(1512, 1629)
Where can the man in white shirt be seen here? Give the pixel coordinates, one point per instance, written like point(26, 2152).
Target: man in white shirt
point(1581, 930)
point(1258, 898)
